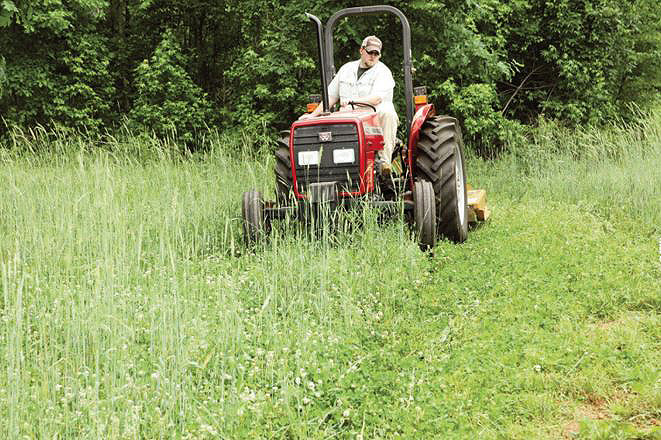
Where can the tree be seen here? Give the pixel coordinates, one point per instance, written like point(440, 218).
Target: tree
point(491, 63)
point(168, 101)
point(64, 80)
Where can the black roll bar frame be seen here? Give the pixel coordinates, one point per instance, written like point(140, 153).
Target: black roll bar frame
point(322, 60)
point(326, 51)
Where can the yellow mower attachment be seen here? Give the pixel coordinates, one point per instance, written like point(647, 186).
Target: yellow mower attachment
point(477, 205)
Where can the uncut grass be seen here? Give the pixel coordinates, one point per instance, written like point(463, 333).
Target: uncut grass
point(130, 308)
point(612, 172)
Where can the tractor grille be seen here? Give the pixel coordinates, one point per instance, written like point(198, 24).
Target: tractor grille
point(344, 136)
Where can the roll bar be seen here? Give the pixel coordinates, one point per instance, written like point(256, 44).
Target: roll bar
point(326, 50)
point(322, 60)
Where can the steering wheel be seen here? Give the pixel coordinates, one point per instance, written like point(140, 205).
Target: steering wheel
point(364, 104)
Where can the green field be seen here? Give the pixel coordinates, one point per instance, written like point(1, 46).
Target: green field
point(131, 309)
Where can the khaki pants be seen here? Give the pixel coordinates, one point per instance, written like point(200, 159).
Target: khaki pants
point(388, 121)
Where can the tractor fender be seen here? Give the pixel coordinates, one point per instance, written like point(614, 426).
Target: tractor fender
point(423, 113)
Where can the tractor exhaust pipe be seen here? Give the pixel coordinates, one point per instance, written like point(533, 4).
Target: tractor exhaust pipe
point(322, 61)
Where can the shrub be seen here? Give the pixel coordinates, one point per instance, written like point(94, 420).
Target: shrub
point(486, 130)
point(168, 102)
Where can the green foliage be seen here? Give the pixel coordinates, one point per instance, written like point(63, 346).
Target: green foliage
point(63, 81)
point(494, 64)
point(572, 61)
point(487, 130)
point(275, 70)
point(267, 78)
point(85, 93)
point(73, 90)
point(168, 102)
point(56, 17)
point(7, 11)
point(577, 58)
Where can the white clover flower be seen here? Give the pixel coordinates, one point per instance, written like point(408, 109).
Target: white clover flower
point(210, 429)
point(248, 395)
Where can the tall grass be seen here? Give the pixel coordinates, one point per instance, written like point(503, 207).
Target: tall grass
point(131, 309)
point(611, 171)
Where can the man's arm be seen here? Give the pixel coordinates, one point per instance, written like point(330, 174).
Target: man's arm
point(372, 99)
point(382, 89)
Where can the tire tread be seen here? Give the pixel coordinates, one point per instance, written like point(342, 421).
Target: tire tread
point(435, 162)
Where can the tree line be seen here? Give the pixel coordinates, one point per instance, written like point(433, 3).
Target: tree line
point(180, 66)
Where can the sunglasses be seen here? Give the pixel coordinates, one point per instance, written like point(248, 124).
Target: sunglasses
point(373, 52)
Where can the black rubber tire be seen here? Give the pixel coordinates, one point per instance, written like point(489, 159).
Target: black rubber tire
point(284, 181)
point(439, 149)
point(424, 214)
point(255, 224)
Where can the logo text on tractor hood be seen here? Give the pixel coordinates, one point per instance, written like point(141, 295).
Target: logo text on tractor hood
point(325, 136)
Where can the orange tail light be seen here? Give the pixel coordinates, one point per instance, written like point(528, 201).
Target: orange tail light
point(314, 102)
point(420, 99)
point(420, 96)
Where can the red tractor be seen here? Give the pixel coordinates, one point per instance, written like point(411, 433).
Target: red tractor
point(331, 160)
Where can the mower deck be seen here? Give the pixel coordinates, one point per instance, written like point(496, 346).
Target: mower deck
point(477, 206)
point(478, 210)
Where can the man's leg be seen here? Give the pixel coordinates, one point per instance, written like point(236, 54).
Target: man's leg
point(389, 121)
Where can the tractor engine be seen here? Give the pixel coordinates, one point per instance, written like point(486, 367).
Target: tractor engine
point(337, 150)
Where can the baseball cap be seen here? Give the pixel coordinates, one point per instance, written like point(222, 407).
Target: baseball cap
point(372, 43)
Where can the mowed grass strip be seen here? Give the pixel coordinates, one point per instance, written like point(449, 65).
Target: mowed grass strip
point(131, 309)
point(550, 312)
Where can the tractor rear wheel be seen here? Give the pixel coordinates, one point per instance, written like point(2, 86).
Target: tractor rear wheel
point(440, 160)
point(284, 181)
point(424, 214)
point(255, 224)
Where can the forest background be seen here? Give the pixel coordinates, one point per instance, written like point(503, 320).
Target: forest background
point(179, 67)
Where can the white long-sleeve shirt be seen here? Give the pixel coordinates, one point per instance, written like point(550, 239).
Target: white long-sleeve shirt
point(376, 80)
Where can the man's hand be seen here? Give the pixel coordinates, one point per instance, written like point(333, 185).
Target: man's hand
point(374, 99)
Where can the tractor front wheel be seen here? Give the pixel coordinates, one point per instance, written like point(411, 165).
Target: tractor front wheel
point(255, 224)
point(424, 214)
point(284, 181)
point(440, 160)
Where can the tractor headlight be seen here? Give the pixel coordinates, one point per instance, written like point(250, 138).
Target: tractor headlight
point(344, 156)
point(308, 157)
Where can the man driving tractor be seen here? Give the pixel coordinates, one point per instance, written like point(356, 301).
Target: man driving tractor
point(369, 81)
